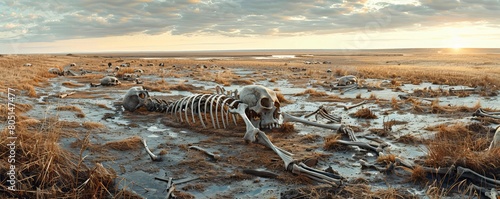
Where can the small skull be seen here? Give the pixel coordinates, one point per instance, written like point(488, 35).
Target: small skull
point(135, 98)
point(127, 76)
point(56, 71)
point(347, 80)
point(263, 106)
point(110, 81)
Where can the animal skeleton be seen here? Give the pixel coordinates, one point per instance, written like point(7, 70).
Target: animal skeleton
point(256, 105)
point(347, 83)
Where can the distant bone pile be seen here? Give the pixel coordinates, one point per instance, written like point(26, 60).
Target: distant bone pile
point(345, 83)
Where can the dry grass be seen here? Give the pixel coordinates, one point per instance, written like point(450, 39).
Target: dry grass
point(331, 143)
point(282, 98)
point(93, 125)
point(312, 92)
point(72, 84)
point(459, 146)
point(130, 143)
point(418, 174)
point(45, 170)
point(365, 113)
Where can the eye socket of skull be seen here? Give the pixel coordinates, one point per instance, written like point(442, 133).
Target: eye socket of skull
point(142, 95)
point(266, 102)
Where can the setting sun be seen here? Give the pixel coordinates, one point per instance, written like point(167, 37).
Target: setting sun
point(457, 43)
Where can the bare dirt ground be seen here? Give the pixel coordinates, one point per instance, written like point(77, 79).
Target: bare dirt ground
point(85, 145)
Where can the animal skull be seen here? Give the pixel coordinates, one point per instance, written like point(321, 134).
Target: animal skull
point(110, 81)
point(135, 98)
point(56, 71)
point(263, 106)
point(127, 76)
point(347, 80)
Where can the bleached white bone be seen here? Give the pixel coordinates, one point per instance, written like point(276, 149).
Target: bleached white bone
point(225, 113)
point(151, 154)
point(314, 174)
point(212, 111)
point(199, 110)
point(289, 118)
point(346, 107)
point(217, 111)
point(251, 131)
point(482, 113)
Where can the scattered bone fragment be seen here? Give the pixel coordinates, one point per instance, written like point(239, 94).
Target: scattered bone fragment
point(260, 173)
point(346, 107)
point(151, 154)
point(66, 94)
point(210, 154)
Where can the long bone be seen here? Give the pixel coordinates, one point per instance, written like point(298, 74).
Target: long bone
point(336, 127)
point(346, 107)
point(254, 134)
point(151, 154)
point(477, 89)
point(289, 118)
point(467, 173)
point(480, 112)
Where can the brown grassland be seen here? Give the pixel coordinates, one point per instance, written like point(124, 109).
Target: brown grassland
point(45, 169)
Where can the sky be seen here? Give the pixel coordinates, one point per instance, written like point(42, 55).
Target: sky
point(72, 26)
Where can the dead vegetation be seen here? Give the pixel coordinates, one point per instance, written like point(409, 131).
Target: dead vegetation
point(130, 143)
point(313, 93)
point(459, 146)
point(44, 169)
point(365, 113)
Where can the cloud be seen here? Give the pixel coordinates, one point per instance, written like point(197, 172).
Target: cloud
point(33, 20)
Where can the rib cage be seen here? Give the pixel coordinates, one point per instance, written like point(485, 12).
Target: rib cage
point(197, 108)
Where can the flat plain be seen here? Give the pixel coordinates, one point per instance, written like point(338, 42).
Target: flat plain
point(420, 102)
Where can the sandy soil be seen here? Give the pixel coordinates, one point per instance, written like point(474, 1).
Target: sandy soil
point(91, 123)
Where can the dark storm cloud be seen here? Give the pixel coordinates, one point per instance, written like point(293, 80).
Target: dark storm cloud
point(33, 20)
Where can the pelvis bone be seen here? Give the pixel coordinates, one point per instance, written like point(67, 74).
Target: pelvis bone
point(263, 106)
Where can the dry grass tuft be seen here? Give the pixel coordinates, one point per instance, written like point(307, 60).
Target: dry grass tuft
point(409, 139)
point(130, 143)
point(72, 84)
point(312, 92)
point(418, 174)
point(183, 87)
point(331, 143)
point(457, 145)
point(365, 113)
point(93, 125)
point(287, 128)
point(282, 98)
point(79, 112)
point(46, 170)
point(69, 108)
point(30, 89)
